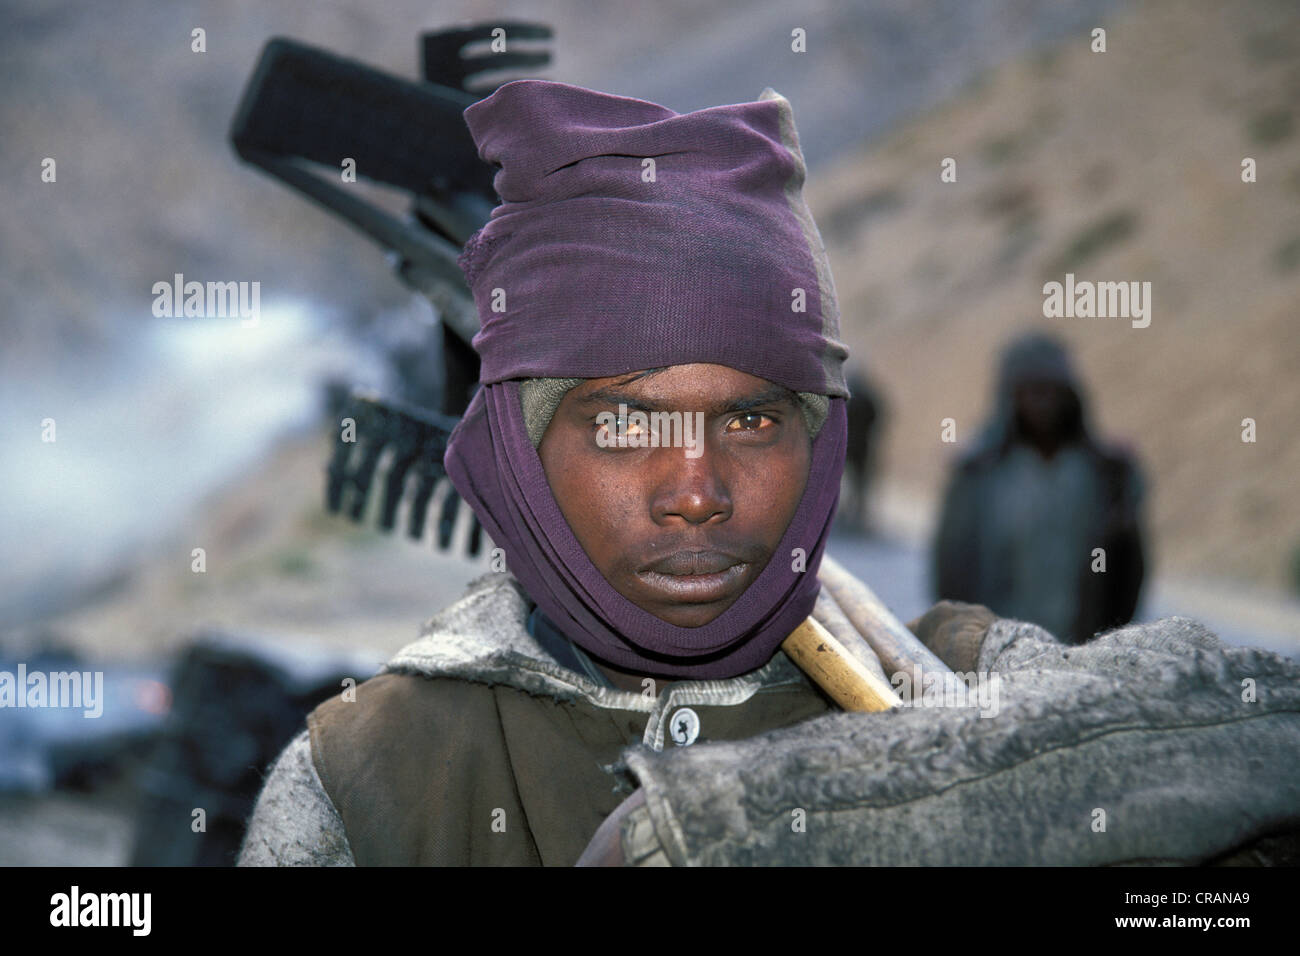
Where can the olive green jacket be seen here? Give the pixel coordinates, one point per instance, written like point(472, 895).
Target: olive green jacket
point(474, 747)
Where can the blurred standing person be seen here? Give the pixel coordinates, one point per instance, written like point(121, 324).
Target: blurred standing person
point(865, 412)
point(1027, 507)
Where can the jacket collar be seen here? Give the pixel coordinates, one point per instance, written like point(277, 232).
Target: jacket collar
point(484, 637)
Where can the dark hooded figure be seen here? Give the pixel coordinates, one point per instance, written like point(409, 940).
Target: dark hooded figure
point(1041, 522)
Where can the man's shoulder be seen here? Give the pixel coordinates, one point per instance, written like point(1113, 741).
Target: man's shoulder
point(487, 623)
point(390, 704)
point(393, 719)
point(494, 601)
point(484, 638)
point(426, 686)
point(476, 648)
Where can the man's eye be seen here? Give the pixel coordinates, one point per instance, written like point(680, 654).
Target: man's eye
point(620, 426)
point(751, 421)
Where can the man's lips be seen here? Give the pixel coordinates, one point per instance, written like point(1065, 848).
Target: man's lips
point(693, 562)
point(694, 577)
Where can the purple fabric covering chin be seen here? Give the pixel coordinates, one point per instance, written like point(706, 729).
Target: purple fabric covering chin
point(600, 273)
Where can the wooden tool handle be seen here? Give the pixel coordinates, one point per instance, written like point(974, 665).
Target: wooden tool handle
point(836, 671)
point(897, 647)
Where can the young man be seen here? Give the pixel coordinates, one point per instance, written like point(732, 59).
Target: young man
point(657, 447)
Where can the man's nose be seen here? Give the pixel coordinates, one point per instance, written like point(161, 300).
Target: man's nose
point(689, 488)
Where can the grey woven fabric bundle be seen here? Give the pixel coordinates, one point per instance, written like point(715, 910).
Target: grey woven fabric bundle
point(1152, 744)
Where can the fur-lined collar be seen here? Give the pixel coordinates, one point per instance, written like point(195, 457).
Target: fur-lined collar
point(484, 637)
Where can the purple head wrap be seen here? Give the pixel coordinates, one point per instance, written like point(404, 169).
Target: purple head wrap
point(597, 264)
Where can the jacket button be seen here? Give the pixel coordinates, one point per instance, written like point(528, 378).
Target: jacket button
point(684, 726)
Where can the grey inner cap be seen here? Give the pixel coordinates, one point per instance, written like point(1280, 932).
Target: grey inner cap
point(540, 398)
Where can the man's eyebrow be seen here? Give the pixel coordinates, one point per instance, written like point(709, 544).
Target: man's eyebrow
point(610, 395)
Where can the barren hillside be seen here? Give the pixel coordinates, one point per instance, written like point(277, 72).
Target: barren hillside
point(1116, 166)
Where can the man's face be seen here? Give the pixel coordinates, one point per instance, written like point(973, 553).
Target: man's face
point(680, 535)
point(1042, 407)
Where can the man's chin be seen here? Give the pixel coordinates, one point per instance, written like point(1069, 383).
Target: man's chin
point(690, 611)
point(693, 615)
